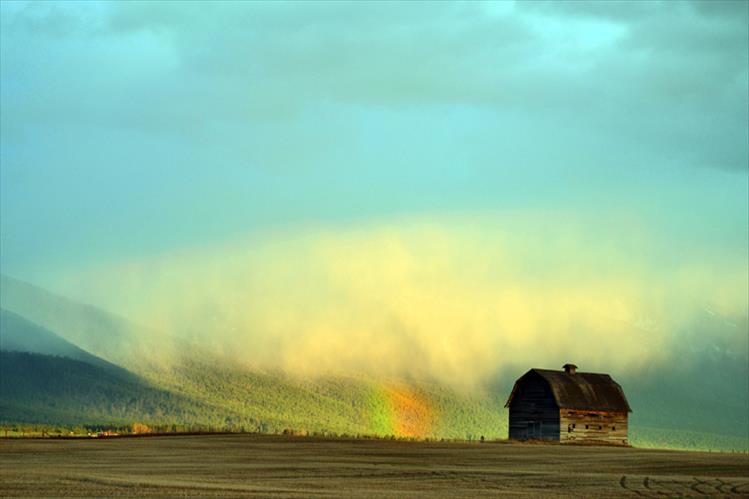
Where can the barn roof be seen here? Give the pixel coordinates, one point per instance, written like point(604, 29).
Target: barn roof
point(587, 391)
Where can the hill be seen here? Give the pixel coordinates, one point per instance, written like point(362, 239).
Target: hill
point(21, 335)
point(103, 334)
point(700, 403)
point(48, 389)
point(270, 401)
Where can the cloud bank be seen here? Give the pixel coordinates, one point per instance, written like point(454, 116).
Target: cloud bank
point(453, 300)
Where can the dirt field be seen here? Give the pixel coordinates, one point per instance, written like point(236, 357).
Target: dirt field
point(268, 466)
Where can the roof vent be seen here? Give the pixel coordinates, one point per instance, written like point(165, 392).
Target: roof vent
point(570, 368)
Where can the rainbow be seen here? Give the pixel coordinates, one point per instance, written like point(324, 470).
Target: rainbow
point(397, 409)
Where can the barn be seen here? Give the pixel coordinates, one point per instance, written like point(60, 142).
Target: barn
point(568, 406)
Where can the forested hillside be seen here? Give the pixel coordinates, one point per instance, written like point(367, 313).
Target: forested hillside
point(49, 389)
point(21, 335)
point(699, 404)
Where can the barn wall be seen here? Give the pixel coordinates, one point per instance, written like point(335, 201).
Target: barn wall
point(593, 426)
point(533, 412)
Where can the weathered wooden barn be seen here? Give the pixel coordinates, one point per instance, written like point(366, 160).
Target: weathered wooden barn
point(568, 406)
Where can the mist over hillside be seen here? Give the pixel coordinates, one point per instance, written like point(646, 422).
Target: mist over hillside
point(455, 298)
point(20, 335)
point(699, 403)
point(99, 332)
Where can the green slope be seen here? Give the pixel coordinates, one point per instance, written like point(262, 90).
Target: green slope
point(20, 335)
point(701, 403)
point(36, 388)
point(58, 391)
point(103, 334)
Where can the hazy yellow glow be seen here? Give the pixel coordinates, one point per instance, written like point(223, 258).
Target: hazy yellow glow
point(452, 300)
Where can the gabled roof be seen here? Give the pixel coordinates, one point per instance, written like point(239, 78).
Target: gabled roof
point(587, 391)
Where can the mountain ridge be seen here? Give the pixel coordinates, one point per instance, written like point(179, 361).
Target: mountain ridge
point(217, 391)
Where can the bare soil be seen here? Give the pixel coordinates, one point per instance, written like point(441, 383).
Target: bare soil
point(288, 466)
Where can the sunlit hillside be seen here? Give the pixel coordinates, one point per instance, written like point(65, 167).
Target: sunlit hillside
point(60, 383)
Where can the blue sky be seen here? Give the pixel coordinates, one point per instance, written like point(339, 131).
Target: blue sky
point(135, 131)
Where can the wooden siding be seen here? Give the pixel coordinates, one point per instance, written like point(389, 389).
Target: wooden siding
point(593, 426)
point(533, 412)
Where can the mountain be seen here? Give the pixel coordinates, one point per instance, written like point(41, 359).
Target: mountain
point(47, 389)
point(96, 331)
point(20, 335)
point(706, 390)
point(701, 402)
point(47, 379)
point(54, 390)
point(342, 405)
point(269, 401)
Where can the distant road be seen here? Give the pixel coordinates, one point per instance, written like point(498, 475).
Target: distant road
point(285, 466)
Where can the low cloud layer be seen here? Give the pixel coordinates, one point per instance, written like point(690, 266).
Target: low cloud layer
point(454, 300)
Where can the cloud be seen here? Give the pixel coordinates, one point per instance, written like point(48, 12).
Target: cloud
point(664, 75)
point(138, 127)
point(454, 300)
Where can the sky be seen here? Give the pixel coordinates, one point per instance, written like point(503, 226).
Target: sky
point(467, 175)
